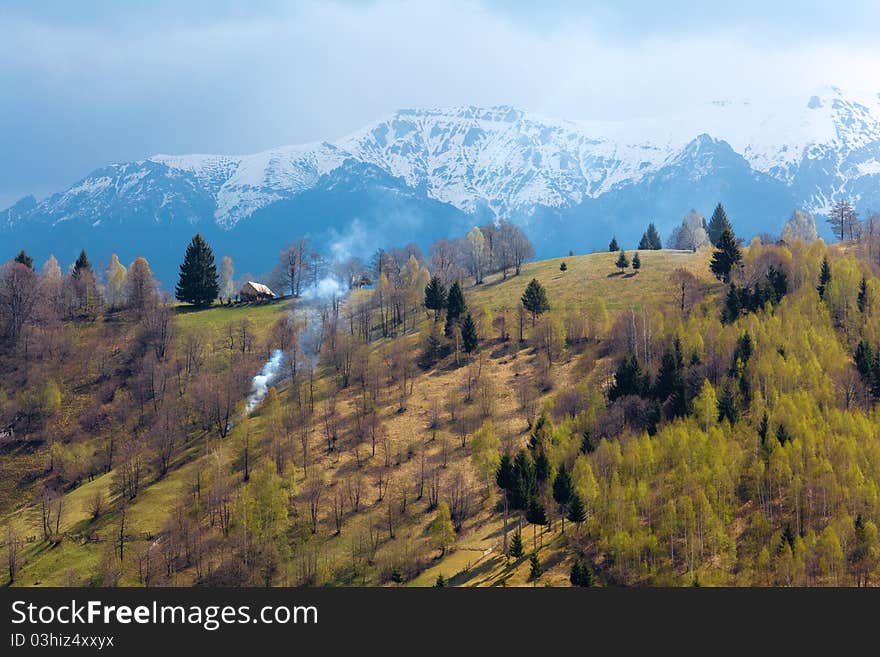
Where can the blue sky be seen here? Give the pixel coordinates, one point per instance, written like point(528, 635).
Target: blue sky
point(85, 83)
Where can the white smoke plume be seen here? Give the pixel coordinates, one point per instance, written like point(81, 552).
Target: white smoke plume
point(264, 379)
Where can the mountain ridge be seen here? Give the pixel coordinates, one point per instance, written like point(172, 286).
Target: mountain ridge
point(502, 162)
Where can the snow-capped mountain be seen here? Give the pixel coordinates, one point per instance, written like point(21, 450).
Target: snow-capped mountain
point(563, 180)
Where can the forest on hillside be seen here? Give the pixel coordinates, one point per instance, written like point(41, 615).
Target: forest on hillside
point(703, 414)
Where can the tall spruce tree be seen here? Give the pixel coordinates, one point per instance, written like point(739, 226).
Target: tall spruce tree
point(824, 277)
point(24, 259)
point(622, 261)
point(435, 296)
point(577, 512)
point(562, 491)
point(534, 299)
point(637, 262)
point(581, 573)
point(612, 245)
point(469, 338)
point(535, 568)
point(862, 299)
point(718, 224)
point(726, 256)
point(198, 282)
point(650, 239)
point(455, 307)
point(81, 265)
point(516, 545)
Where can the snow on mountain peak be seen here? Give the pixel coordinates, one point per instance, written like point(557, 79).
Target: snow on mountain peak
point(511, 160)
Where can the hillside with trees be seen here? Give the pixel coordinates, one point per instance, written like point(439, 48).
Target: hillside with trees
point(705, 415)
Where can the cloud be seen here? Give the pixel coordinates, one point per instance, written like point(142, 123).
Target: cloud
point(147, 78)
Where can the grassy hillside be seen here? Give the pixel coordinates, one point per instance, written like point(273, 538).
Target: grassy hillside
point(337, 478)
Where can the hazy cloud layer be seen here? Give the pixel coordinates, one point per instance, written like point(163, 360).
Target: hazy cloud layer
point(84, 84)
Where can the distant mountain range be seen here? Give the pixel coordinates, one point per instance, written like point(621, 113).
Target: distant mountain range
point(423, 174)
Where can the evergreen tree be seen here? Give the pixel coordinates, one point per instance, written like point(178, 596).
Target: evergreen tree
point(25, 259)
point(628, 379)
point(824, 277)
point(782, 434)
point(455, 307)
point(562, 491)
point(470, 340)
point(563, 266)
point(637, 262)
point(536, 515)
point(534, 299)
point(613, 246)
point(763, 427)
point(863, 295)
point(732, 306)
point(441, 582)
point(81, 265)
point(524, 485)
point(718, 224)
point(198, 282)
point(581, 574)
point(726, 256)
point(650, 239)
point(622, 261)
point(516, 545)
point(504, 475)
point(435, 296)
point(396, 575)
point(577, 512)
point(669, 387)
point(535, 569)
point(542, 467)
point(727, 408)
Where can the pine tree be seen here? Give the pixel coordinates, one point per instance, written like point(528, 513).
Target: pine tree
point(651, 239)
point(441, 582)
point(198, 283)
point(726, 256)
point(763, 427)
point(504, 475)
point(718, 224)
point(455, 307)
point(727, 408)
point(516, 545)
point(535, 569)
point(824, 277)
point(469, 338)
point(435, 296)
point(534, 299)
point(669, 387)
point(563, 266)
point(732, 306)
point(613, 246)
point(622, 261)
point(24, 259)
point(81, 265)
point(637, 262)
point(542, 467)
point(577, 512)
point(562, 491)
point(863, 295)
point(396, 575)
point(536, 515)
point(628, 379)
point(581, 574)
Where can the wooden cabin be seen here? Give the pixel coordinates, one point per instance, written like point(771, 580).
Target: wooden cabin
point(252, 291)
